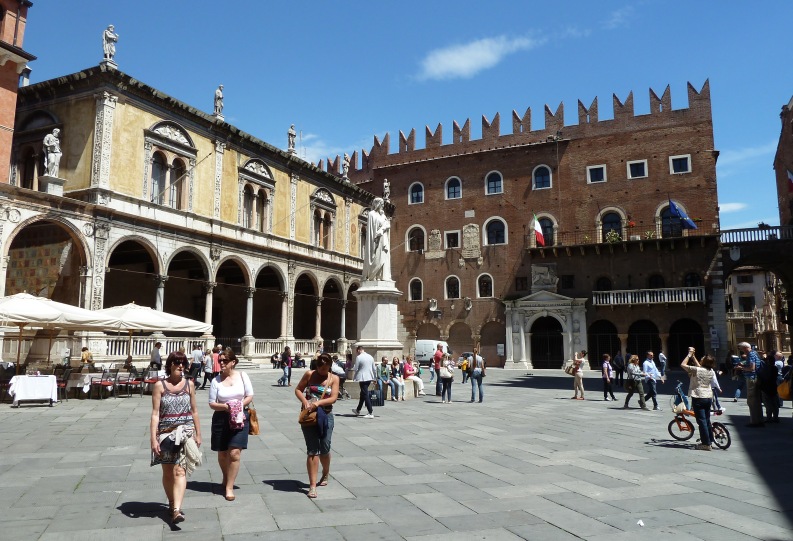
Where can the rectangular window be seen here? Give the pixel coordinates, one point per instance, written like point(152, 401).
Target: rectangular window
point(637, 169)
point(680, 164)
point(745, 304)
point(748, 330)
point(596, 173)
point(745, 278)
point(567, 281)
point(452, 239)
point(521, 283)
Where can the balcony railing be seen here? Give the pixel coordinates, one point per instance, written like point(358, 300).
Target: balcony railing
point(639, 232)
point(668, 295)
point(736, 236)
point(740, 315)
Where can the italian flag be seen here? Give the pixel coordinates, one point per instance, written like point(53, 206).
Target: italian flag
point(538, 232)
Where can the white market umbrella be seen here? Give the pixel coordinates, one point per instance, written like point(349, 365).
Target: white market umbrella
point(24, 309)
point(133, 317)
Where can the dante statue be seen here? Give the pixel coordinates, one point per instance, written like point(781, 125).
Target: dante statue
point(109, 39)
point(52, 153)
point(377, 255)
point(219, 100)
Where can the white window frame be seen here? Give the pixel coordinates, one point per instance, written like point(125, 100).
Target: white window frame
point(410, 282)
point(540, 216)
point(492, 286)
point(502, 182)
point(484, 231)
point(446, 188)
point(407, 238)
point(589, 168)
point(628, 169)
point(687, 157)
point(445, 289)
point(459, 239)
point(423, 193)
point(533, 171)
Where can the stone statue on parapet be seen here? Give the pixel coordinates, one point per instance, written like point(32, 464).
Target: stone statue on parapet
point(386, 190)
point(291, 136)
point(109, 40)
point(219, 101)
point(345, 166)
point(52, 153)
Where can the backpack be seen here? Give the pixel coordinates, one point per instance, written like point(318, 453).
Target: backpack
point(766, 372)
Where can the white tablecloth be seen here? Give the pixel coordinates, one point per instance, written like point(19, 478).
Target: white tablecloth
point(34, 388)
point(81, 380)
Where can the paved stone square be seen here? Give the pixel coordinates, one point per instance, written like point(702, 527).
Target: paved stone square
point(528, 463)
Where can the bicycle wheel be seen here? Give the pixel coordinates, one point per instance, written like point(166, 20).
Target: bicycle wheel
point(721, 436)
point(681, 429)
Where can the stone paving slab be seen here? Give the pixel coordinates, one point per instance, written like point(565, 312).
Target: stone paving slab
point(528, 463)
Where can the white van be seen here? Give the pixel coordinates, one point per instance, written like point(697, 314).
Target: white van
point(425, 349)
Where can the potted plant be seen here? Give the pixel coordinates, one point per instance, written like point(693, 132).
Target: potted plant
point(612, 236)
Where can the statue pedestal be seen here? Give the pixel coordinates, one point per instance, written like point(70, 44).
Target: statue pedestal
point(52, 185)
point(109, 63)
point(378, 318)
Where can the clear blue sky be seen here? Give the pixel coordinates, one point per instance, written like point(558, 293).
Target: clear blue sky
point(343, 72)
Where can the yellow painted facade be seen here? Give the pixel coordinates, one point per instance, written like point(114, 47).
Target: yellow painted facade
point(77, 140)
point(281, 205)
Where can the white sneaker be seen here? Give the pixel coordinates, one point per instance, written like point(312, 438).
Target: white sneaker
point(607, 399)
point(356, 412)
point(422, 393)
point(443, 401)
point(722, 410)
point(368, 416)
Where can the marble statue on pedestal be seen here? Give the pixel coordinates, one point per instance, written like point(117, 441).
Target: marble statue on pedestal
point(291, 136)
point(109, 40)
point(386, 190)
point(377, 255)
point(345, 166)
point(52, 152)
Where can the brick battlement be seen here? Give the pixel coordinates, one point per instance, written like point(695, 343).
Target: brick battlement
point(661, 115)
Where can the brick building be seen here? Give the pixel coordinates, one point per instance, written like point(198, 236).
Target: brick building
point(783, 165)
point(618, 269)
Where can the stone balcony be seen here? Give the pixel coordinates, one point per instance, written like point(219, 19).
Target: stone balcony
point(740, 315)
point(667, 295)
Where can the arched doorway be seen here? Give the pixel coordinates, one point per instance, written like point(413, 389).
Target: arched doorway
point(684, 333)
point(44, 260)
point(351, 315)
point(492, 334)
point(267, 304)
point(643, 337)
point(131, 276)
point(547, 349)
point(229, 301)
point(428, 331)
point(460, 339)
point(331, 315)
point(602, 338)
point(305, 312)
point(184, 290)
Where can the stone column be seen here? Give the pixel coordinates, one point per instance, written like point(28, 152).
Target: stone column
point(209, 287)
point(249, 312)
point(160, 300)
point(103, 139)
point(522, 324)
point(35, 185)
point(623, 345)
point(318, 332)
point(508, 339)
point(284, 314)
point(220, 148)
point(529, 364)
point(665, 344)
point(341, 343)
point(292, 204)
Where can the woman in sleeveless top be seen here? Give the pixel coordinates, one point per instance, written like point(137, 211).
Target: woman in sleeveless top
point(318, 389)
point(173, 409)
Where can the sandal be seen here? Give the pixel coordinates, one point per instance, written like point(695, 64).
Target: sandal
point(312, 492)
point(177, 516)
point(171, 508)
point(323, 481)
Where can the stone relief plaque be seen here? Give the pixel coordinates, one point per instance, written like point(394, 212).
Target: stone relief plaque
point(543, 277)
point(434, 242)
point(471, 245)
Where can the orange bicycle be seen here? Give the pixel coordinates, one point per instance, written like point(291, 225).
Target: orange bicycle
point(681, 429)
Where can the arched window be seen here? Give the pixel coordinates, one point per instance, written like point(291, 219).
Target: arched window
point(454, 188)
point(158, 170)
point(247, 207)
point(611, 221)
point(546, 224)
point(671, 226)
point(484, 286)
point(176, 183)
point(603, 284)
point(542, 177)
point(496, 232)
point(327, 230)
point(261, 211)
point(416, 193)
point(416, 289)
point(416, 239)
point(494, 183)
point(656, 281)
point(692, 279)
point(317, 223)
point(452, 288)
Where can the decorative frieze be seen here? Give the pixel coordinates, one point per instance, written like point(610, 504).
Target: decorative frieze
point(103, 139)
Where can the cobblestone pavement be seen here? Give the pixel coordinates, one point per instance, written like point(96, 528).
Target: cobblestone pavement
point(528, 463)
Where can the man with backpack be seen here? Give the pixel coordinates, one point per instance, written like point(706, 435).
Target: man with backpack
point(767, 381)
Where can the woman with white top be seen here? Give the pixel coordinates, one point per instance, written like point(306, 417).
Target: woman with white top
point(397, 379)
point(411, 371)
point(230, 393)
point(701, 394)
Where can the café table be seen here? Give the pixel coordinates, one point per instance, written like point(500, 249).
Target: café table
point(33, 388)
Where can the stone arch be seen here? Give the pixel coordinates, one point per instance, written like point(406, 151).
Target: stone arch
point(132, 268)
point(283, 278)
point(306, 291)
point(547, 342)
point(643, 337)
point(554, 231)
point(460, 338)
point(185, 289)
point(73, 230)
point(599, 222)
point(428, 330)
point(152, 250)
point(39, 119)
point(332, 294)
point(239, 261)
point(268, 302)
point(200, 256)
point(602, 338)
point(230, 300)
point(258, 167)
point(684, 333)
point(492, 334)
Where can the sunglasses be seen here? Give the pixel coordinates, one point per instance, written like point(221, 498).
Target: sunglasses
point(223, 360)
point(181, 364)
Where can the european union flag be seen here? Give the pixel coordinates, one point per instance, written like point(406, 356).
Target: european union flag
point(685, 221)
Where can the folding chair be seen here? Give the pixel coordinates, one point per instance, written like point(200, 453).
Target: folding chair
point(132, 379)
point(108, 381)
point(62, 382)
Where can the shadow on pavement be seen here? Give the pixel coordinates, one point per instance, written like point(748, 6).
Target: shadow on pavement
point(204, 486)
point(283, 485)
point(148, 510)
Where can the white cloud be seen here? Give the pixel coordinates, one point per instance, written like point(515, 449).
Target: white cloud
point(618, 18)
point(463, 61)
point(752, 224)
point(742, 155)
point(726, 208)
